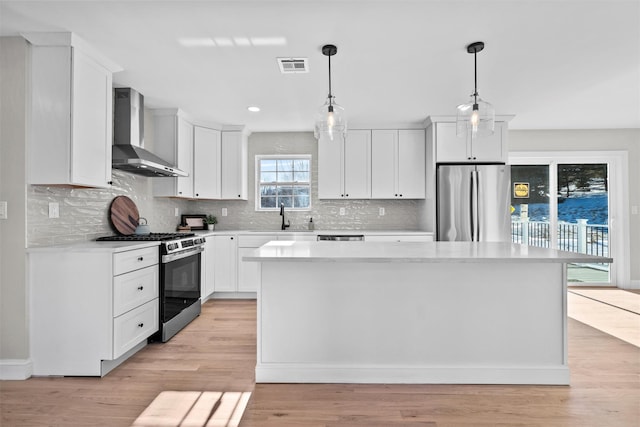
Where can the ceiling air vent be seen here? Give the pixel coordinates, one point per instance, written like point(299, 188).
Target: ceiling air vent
point(293, 65)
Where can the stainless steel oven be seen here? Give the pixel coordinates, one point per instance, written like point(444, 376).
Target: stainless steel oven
point(180, 283)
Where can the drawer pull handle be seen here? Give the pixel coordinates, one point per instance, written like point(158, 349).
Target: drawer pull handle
point(140, 325)
point(140, 287)
point(140, 258)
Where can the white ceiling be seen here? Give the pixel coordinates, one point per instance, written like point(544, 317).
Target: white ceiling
point(561, 64)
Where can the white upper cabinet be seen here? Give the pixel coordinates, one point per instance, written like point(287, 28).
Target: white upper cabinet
point(173, 142)
point(206, 163)
point(71, 112)
point(344, 166)
point(453, 149)
point(398, 164)
point(234, 165)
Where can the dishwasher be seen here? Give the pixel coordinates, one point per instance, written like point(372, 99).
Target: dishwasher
point(341, 237)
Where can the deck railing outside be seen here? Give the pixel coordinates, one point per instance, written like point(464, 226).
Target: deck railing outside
point(592, 239)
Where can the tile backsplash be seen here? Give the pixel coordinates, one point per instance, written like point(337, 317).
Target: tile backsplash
point(84, 212)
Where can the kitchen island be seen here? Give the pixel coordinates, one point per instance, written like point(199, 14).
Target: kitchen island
point(404, 312)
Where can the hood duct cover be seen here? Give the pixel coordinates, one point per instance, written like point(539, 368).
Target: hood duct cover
point(128, 151)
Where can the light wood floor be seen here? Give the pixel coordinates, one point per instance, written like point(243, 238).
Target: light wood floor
point(217, 353)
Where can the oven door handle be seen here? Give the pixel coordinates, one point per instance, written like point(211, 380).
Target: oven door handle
point(182, 254)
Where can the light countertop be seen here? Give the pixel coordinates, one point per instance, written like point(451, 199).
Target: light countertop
point(93, 246)
point(315, 232)
point(414, 252)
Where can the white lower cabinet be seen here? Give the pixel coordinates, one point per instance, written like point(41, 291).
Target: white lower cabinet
point(91, 307)
point(427, 237)
point(226, 275)
point(207, 270)
point(249, 272)
point(225, 263)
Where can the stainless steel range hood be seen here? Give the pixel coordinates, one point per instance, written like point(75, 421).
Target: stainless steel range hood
point(128, 151)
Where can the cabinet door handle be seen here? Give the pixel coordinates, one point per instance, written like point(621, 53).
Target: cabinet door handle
point(140, 325)
point(140, 258)
point(140, 287)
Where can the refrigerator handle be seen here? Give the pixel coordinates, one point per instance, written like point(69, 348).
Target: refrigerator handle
point(475, 223)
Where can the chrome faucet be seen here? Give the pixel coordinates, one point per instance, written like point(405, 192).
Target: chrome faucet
point(288, 224)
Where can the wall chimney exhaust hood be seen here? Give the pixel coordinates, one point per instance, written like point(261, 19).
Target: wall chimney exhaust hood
point(128, 151)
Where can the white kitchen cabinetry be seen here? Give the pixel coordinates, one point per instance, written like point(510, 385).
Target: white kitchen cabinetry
point(234, 165)
point(207, 269)
point(225, 264)
point(249, 272)
point(453, 149)
point(71, 113)
point(413, 237)
point(206, 163)
point(344, 166)
point(173, 142)
point(91, 306)
point(398, 164)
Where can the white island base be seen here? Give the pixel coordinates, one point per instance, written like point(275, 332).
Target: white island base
point(436, 315)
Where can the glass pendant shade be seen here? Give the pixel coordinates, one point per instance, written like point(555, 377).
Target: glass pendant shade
point(330, 120)
point(477, 117)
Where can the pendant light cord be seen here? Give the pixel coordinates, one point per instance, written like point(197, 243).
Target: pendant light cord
point(330, 96)
point(475, 77)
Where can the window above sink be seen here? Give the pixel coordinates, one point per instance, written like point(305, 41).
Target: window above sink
point(283, 179)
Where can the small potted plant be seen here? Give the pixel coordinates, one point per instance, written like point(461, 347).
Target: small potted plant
point(211, 221)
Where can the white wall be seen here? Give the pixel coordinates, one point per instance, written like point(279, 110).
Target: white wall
point(595, 140)
point(14, 85)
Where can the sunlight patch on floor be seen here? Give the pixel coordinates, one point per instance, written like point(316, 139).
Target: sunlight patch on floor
point(194, 409)
point(620, 323)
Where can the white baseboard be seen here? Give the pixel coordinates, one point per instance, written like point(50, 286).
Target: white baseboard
point(312, 373)
point(15, 369)
point(633, 284)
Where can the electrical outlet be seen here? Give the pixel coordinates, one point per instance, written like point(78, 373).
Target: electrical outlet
point(224, 211)
point(54, 210)
point(342, 211)
point(634, 210)
point(381, 211)
point(176, 212)
point(3, 210)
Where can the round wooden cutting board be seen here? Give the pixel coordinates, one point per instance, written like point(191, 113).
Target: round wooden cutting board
point(124, 215)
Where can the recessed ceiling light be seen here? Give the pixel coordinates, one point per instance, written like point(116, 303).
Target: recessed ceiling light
point(253, 109)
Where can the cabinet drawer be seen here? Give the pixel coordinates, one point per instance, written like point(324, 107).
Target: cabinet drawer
point(135, 288)
point(255, 241)
point(124, 262)
point(135, 326)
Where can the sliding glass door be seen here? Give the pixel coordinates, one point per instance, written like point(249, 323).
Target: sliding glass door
point(563, 206)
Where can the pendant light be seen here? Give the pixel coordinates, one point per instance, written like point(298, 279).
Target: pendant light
point(476, 116)
point(330, 119)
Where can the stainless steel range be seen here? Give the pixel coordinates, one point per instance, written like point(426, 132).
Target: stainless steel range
point(180, 281)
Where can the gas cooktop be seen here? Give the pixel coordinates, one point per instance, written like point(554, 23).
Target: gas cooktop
point(148, 237)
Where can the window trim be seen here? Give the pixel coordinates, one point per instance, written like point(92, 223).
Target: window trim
point(259, 157)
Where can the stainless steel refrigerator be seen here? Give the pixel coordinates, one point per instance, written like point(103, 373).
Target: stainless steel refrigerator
point(473, 203)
